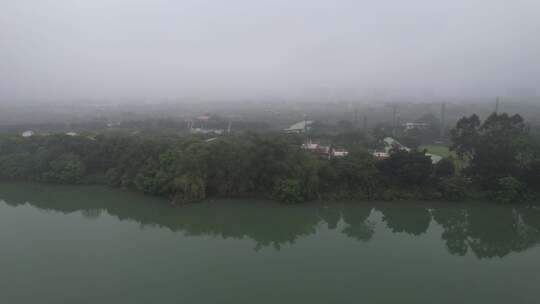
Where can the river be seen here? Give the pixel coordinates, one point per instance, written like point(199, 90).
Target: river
point(92, 244)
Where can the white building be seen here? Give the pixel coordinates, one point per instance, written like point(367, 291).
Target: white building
point(434, 158)
point(338, 152)
point(205, 131)
point(415, 125)
point(392, 144)
point(28, 133)
point(299, 127)
point(381, 155)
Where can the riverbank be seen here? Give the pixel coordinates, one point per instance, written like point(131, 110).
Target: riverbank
point(503, 165)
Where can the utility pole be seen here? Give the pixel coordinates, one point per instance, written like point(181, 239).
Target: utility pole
point(364, 127)
point(443, 121)
point(306, 136)
point(497, 105)
point(356, 117)
point(394, 120)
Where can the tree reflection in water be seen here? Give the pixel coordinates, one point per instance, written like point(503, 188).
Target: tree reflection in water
point(488, 230)
point(356, 217)
point(91, 213)
point(405, 217)
point(485, 229)
point(330, 215)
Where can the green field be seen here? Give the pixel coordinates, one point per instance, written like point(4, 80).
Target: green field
point(440, 150)
point(444, 151)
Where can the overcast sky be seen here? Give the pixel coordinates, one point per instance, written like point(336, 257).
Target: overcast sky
point(223, 49)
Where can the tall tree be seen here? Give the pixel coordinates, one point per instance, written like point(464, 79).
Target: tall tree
point(465, 136)
point(492, 148)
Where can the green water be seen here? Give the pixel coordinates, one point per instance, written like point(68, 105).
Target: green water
point(67, 244)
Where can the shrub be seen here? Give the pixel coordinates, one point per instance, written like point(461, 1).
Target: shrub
point(189, 188)
point(67, 168)
point(407, 168)
point(509, 190)
point(454, 188)
point(288, 191)
point(444, 168)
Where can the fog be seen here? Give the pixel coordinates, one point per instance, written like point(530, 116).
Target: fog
point(136, 50)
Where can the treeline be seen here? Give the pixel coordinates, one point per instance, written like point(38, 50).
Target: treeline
point(503, 159)
point(148, 126)
point(503, 162)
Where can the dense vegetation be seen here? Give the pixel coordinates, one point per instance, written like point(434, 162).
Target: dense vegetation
point(503, 162)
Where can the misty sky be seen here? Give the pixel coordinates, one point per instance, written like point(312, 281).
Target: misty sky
point(223, 49)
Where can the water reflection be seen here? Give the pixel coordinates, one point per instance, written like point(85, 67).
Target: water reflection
point(489, 231)
point(356, 217)
point(485, 230)
point(91, 213)
point(331, 216)
point(406, 217)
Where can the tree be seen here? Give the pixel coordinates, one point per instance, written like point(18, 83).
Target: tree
point(407, 168)
point(529, 163)
point(509, 190)
point(17, 166)
point(358, 174)
point(422, 135)
point(453, 188)
point(492, 148)
point(288, 191)
point(444, 168)
point(465, 136)
point(188, 188)
point(411, 139)
point(67, 168)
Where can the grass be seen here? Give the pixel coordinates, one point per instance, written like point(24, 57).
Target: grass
point(444, 151)
point(440, 150)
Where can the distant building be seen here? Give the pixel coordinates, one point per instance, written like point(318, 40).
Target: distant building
point(415, 126)
point(71, 134)
point(391, 145)
point(204, 117)
point(317, 149)
point(28, 133)
point(299, 127)
point(205, 131)
point(339, 152)
point(113, 124)
point(310, 146)
point(379, 155)
point(434, 158)
point(324, 151)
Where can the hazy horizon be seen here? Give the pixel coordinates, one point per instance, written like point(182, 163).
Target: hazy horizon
point(120, 50)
